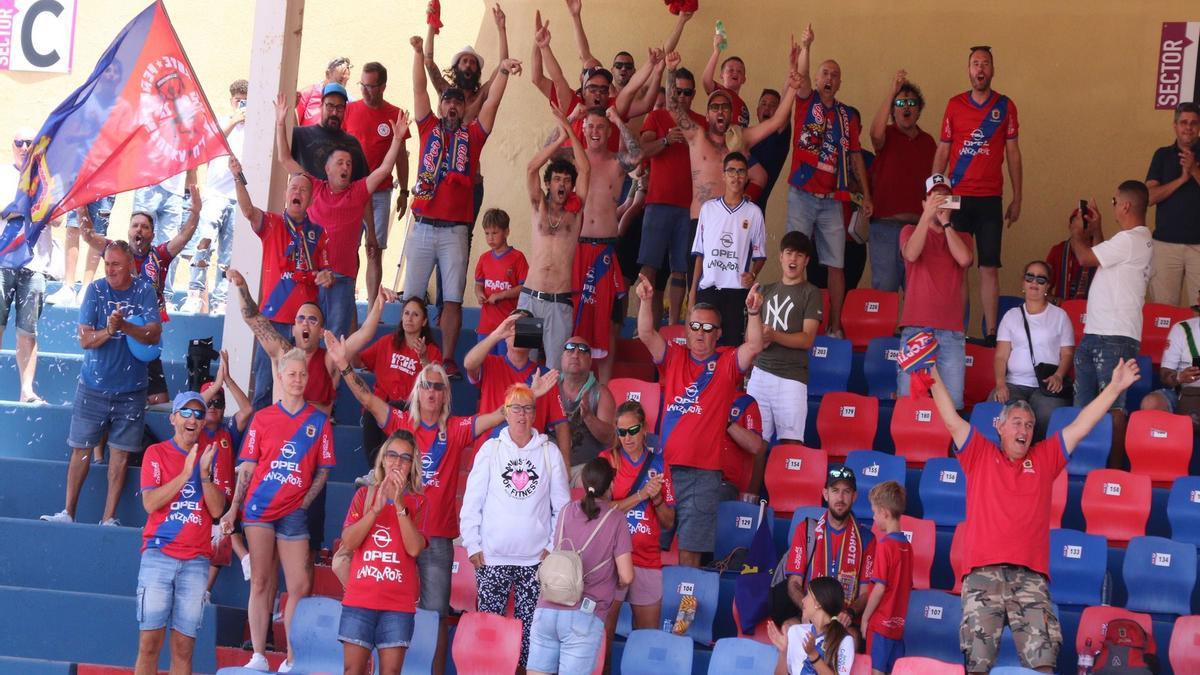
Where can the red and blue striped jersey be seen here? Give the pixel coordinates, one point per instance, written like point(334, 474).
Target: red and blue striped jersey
point(288, 449)
point(183, 528)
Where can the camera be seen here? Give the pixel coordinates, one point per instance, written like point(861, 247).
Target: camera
point(200, 355)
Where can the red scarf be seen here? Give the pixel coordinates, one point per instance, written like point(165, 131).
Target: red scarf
point(847, 559)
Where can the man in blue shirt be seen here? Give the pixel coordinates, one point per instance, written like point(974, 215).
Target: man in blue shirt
point(111, 395)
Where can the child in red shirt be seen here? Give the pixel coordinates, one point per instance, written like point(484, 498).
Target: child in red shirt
point(499, 276)
point(891, 578)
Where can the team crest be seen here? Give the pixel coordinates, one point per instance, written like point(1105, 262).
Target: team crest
point(383, 129)
point(735, 412)
point(172, 109)
point(442, 436)
point(607, 260)
point(745, 224)
point(224, 442)
point(310, 431)
point(1027, 465)
point(995, 114)
point(312, 236)
point(712, 366)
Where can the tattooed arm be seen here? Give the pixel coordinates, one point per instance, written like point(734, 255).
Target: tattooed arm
point(244, 471)
point(270, 339)
point(337, 351)
point(318, 484)
point(682, 118)
point(630, 154)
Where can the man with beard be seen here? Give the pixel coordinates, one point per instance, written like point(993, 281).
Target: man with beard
point(311, 145)
point(598, 289)
point(558, 213)
point(466, 69)
point(443, 196)
point(154, 263)
point(979, 131)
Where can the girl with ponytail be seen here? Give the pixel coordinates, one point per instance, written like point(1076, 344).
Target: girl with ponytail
point(821, 645)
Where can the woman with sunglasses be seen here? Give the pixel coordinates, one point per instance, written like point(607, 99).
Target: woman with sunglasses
point(381, 533)
point(642, 491)
point(1035, 346)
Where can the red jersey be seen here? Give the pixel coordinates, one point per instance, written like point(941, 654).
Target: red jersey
point(319, 390)
point(696, 395)
point(341, 214)
point(671, 169)
point(499, 273)
point(893, 569)
point(155, 266)
point(287, 449)
point(308, 105)
point(227, 438)
point(1008, 505)
point(445, 185)
point(383, 576)
point(183, 528)
point(822, 140)
point(977, 135)
point(736, 463)
point(897, 174)
point(833, 555)
point(396, 369)
point(292, 255)
point(643, 523)
point(373, 129)
point(441, 461)
point(498, 374)
point(934, 282)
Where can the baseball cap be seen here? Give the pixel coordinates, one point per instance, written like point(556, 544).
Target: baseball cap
point(455, 93)
point(936, 180)
point(334, 88)
point(468, 51)
point(718, 93)
point(185, 397)
point(841, 472)
point(597, 70)
point(219, 398)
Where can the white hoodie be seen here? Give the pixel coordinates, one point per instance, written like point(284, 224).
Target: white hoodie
point(512, 501)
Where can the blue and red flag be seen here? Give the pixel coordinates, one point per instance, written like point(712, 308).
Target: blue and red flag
point(140, 118)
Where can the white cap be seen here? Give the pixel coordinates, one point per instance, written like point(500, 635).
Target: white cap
point(464, 52)
point(936, 180)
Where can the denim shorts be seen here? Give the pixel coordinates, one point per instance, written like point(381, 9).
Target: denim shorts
point(665, 237)
point(433, 566)
point(447, 248)
point(171, 590)
point(98, 211)
point(374, 628)
point(697, 492)
point(337, 304)
point(822, 220)
point(1095, 360)
point(381, 206)
point(95, 411)
point(27, 289)
point(292, 527)
point(564, 641)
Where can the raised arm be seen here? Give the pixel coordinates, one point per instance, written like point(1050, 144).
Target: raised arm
point(378, 408)
point(958, 427)
point(646, 330)
point(682, 118)
point(884, 113)
point(1081, 243)
point(802, 62)
point(421, 106)
point(245, 205)
point(179, 241)
point(708, 77)
point(537, 74)
point(645, 103)
point(361, 338)
point(630, 154)
point(753, 345)
point(487, 114)
point(430, 67)
point(533, 170)
point(962, 253)
point(87, 231)
point(562, 86)
point(582, 166)
point(269, 338)
point(630, 93)
point(575, 7)
point(283, 144)
point(245, 408)
point(384, 172)
point(474, 359)
point(753, 135)
point(673, 40)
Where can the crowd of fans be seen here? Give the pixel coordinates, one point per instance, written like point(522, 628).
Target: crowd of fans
point(633, 189)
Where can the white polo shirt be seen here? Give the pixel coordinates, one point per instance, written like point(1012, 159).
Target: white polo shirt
point(1119, 289)
point(728, 238)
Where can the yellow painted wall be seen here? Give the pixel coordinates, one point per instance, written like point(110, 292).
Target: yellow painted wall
point(1082, 74)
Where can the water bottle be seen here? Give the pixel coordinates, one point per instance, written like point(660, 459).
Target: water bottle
point(721, 32)
point(1086, 659)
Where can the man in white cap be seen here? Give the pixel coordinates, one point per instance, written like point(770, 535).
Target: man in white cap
point(466, 69)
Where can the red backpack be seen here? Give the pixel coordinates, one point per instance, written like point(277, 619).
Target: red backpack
point(1125, 649)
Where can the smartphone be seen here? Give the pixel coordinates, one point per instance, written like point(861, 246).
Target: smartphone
point(1083, 210)
point(953, 202)
point(242, 103)
point(529, 331)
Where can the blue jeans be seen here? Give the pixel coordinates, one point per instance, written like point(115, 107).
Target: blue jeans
point(169, 212)
point(98, 211)
point(807, 213)
point(1094, 363)
point(951, 361)
point(171, 590)
point(216, 225)
point(337, 304)
point(263, 379)
point(887, 265)
point(564, 641)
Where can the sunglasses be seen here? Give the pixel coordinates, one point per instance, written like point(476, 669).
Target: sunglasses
point(436, 386)
point(736, 172)
point(526, 409)
point(216, 404)
point(190, 413)
point(720, 106)
point(1039, 279)
point(393, 455)
point(596, 89)
point(620, 65)
point(841, 472)
point(577, 347)
point(906, 103)
point(311, 319)
point(22, 142)
point(706, 327)
point(691, 91)
point(629, 431)
point(364, 85)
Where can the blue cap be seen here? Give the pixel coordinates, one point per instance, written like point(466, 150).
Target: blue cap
point(185, 397)
point(334, 88)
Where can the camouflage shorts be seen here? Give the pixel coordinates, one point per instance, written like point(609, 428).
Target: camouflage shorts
point(999, 594)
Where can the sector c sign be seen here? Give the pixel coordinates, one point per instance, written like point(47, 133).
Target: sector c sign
point(37, 35)
point(1177, 49)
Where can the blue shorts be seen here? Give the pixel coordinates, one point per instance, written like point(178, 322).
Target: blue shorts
point(171, 589)
point(666, 236)
point(95, 412)
point(697, 493)
point(1170, 396)
point(292, 527)
point(564, 641)
point(374, 628)
point(98, 212)
point(1095, 360)
point(884, 652)
point(27, 289)
point(434, 565)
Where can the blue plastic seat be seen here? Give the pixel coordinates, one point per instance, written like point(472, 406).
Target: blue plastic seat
point(828, 365)
point(1145, 383)
point(872, 467)
point(943, 490)
point(801, 514)
point(1091, 452)
point(679, 581)
point(879, 367)
point(1159, 575)
point(1006, 302)
point(742, 655)
point(314, 635)
point(983, 417)
point(931, 626)
point(737, 522)
point(1078, 565)
point(654, 652)
point(1183, 509)
point(418, 660)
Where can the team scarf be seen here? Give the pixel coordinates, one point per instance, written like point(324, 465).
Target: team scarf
point(298, 252)
point(843, 566)
point(833, 153)
point(442, 159)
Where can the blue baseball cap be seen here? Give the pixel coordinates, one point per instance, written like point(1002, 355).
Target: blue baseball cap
point(334, 88)
point(185, 397)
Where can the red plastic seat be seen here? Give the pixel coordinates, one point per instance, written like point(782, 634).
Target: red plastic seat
point(486, 644)
point(1094, 620)
point(462, 582)
point(868, 314)
point(921, 665)
point(795, 476)
point(1184, 650)
point(648, 393)
point(847, 422)
point(635, 370)
point(980, 376)
point(918, 431)
point(956, 557)
point(1077, 310)
point(1116, 505)
point(1157, 320)
point(922, 535)
point(1159, 445)
point(1058, 500)
point(631, 350)
point(862, 665)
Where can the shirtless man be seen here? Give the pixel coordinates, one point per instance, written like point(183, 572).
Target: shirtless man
point(598, 289)
point(466, 69)
point(557, 217)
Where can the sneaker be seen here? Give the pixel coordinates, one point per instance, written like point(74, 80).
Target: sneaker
point(365, 480)
point(60, 517)
point(285, 667)
point(452, 370)
point(246, 566)
point(110, 522)
point(64, 296)
point(192, 303)
point(216, 307)
point(208, 597)
point(258, 662)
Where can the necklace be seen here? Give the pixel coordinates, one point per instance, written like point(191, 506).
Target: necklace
point(554, 225)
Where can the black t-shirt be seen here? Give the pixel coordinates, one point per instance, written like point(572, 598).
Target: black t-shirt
point(771, 152)
point(312, 144)
point(1177, 219)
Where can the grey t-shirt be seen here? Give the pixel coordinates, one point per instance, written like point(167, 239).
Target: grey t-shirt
point(785, 308)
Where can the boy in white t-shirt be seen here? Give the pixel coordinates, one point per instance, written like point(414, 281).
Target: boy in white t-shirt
point(730, 251)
